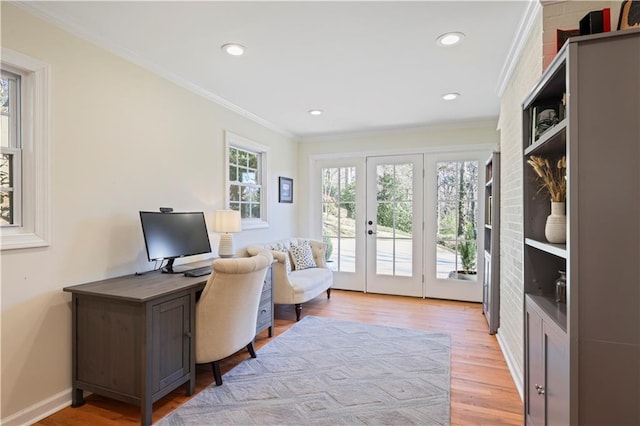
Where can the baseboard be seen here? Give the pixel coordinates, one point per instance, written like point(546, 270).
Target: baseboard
point(40, 410)
point(516, 374)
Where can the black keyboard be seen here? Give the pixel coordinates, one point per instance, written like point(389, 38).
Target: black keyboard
point(198, 272)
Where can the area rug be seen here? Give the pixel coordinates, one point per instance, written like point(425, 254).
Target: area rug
point(323, 371)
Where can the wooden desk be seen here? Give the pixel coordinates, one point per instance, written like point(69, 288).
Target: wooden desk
point(132, 337)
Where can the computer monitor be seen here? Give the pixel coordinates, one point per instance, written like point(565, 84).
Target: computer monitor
point(168, 236)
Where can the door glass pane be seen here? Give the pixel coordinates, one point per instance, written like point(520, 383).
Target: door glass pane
point(404, 257)
point(394, 215)
point(384, 256)
point(456, 250)
point(338, 217)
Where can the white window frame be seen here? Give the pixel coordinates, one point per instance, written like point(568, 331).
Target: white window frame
point(35, 227)
point(233, 140)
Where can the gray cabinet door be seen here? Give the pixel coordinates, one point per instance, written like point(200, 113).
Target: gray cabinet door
point(171, 334)
point(535, 401)
point(556, 359)
point(547, 373)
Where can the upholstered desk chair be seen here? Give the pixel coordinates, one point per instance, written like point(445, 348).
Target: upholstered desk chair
point(227, 311)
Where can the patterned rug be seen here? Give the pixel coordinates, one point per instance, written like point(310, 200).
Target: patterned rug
point(328, 372)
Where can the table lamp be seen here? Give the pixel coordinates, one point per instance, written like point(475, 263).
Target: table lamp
point(226, 222)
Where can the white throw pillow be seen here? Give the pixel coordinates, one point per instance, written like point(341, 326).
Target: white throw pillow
point(302, 256)
point(287, 261)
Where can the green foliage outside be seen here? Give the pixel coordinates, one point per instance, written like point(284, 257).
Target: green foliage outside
point(348, 199)
point(467, 249)
point(329, 243)
point(393, 211)
point(457, 204)
point(6, 211)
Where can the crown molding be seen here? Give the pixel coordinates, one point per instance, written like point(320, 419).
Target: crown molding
point(33, 9)
point(399, 130)
point(524, 31)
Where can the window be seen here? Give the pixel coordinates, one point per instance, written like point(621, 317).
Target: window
point(10, 150)
point(339, 217)
point(24, 151)
point(456, 250)
point(246, 173)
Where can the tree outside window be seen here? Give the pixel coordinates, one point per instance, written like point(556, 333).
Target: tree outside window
point(339, 216)
point(457, 251)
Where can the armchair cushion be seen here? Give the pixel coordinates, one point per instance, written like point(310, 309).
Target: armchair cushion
point(308, 283)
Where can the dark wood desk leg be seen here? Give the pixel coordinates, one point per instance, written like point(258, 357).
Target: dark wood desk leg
point(191, 386)
point(147, 412)
point(77, 397)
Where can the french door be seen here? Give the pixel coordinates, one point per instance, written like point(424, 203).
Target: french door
point(404, 225)
point(453, 261)
point(393, 225)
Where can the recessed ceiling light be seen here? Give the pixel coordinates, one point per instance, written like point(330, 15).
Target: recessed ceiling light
point(315, 112)
point(449, 39)
point(450, 96)
point(233, 49)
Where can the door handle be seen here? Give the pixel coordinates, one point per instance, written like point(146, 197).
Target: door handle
point(370, 232)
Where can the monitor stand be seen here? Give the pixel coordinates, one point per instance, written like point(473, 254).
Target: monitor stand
point(170, 269)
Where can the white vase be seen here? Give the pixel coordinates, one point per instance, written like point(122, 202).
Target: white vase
point(555, 229)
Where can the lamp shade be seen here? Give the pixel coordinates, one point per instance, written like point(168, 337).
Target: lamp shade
point(227, 221)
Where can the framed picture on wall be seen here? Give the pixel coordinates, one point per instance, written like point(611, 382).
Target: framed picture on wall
point(285, 192)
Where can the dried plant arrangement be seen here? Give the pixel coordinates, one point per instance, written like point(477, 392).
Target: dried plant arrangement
point(551, 176)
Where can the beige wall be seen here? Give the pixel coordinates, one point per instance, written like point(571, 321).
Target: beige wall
point(122, 140)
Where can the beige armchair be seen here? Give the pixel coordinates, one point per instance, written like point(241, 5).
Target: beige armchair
point(227, 311)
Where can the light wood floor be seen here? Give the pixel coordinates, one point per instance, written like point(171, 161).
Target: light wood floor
point(482, 390)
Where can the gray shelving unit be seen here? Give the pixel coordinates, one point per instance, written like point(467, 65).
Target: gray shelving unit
point(491, 279)
point(582, 358)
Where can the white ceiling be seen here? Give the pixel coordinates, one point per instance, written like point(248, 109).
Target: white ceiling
point(370, 66)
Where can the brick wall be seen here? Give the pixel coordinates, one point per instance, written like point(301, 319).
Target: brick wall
point(526, 73)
